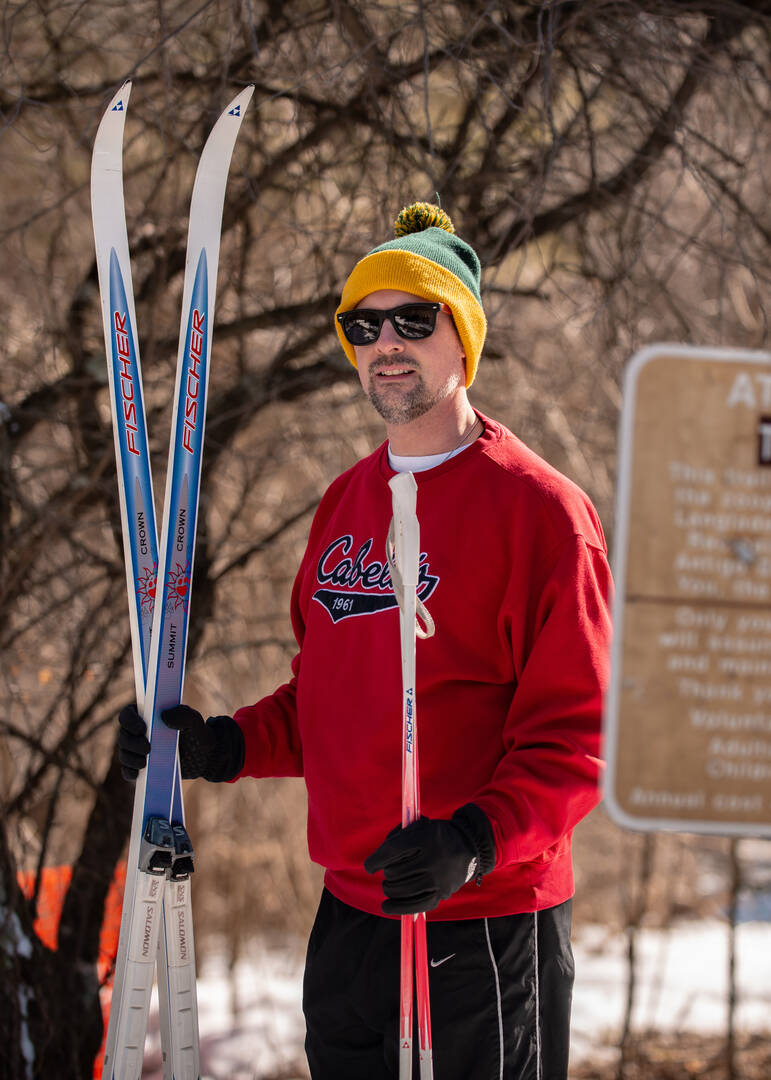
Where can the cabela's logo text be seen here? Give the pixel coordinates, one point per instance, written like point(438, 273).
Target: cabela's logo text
point(353, 585)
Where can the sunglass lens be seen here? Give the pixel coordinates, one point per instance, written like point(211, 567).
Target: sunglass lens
point(415, 322)
point(361, 328)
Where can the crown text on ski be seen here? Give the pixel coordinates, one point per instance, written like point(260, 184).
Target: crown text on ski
point(126, 381)
point(181, 522)
point(142, 533)
point(193, 379)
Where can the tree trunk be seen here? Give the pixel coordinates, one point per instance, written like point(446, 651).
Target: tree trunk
point(50, 1014)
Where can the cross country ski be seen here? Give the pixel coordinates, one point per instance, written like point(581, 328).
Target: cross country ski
point(156, 924)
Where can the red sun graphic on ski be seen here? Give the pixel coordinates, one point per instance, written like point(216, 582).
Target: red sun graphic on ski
point(146, 587)
point(178, 587)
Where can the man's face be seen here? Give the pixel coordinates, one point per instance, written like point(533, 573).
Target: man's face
point(405, 379)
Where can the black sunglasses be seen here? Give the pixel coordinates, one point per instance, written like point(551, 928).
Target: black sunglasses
point(362, 326)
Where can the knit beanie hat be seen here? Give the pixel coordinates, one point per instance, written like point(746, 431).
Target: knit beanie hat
point(430, 261)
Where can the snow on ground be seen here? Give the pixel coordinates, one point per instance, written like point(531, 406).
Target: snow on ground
point(266, 1036)
point(682, 982)
point(682, 986)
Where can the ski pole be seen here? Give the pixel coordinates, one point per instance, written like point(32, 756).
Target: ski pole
point(403, 553)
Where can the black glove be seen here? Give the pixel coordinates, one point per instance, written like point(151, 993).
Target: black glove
point(133, 744)
point(431, 859)
point(213, 750)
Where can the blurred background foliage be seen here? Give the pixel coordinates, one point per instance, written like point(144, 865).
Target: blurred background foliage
point(608, 160)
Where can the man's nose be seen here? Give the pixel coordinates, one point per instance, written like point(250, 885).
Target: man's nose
point(389, 340)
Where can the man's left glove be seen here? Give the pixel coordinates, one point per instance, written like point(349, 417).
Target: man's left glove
point(431, 859)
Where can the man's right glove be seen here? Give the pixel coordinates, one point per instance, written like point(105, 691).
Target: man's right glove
point(432, 858)
point(214, 750)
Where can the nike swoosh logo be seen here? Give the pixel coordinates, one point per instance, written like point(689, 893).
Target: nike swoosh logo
point(436, 963)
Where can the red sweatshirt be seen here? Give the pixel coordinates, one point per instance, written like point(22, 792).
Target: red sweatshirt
point(508, 690)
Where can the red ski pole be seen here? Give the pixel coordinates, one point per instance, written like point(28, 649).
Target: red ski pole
point(404, 559)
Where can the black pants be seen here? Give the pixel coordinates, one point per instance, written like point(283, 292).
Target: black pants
point(500, 996)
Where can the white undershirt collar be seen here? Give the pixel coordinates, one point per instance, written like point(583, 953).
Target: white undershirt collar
point(425, 461)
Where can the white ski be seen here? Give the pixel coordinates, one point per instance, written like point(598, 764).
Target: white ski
point(160, 855)
point(137, 505)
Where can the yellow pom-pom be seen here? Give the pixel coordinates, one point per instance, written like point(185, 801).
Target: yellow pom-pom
point(420, 216)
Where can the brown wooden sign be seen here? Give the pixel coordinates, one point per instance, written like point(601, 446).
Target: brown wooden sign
point(688, 713)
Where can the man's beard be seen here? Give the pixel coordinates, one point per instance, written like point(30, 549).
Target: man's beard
point(403, 406)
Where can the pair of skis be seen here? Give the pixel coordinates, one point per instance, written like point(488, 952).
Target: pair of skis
point(156, 924)
point(403, 554)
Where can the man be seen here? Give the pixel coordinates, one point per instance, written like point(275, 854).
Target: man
point(515, 576)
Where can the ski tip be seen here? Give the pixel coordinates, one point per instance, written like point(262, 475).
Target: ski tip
point(120, 99)
point(238, 105)
point(111, 124)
